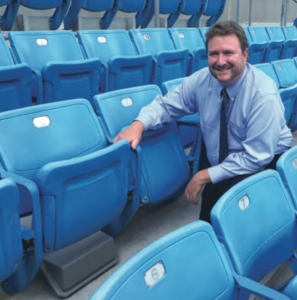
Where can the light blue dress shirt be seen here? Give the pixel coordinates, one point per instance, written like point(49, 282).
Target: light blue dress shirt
point(256, 124)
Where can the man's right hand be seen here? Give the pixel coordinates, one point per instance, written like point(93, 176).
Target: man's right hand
point(132, 134)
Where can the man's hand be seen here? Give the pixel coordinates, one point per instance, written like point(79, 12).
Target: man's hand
point(195, 185)
point(132, 134)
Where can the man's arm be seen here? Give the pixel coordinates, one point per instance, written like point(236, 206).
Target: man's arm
point(263, 130)
point(178, 102)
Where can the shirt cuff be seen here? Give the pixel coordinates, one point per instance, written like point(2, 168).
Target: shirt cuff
point(216, 174)
point(144, 122)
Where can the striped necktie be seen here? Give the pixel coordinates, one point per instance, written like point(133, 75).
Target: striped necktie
point(224, 150)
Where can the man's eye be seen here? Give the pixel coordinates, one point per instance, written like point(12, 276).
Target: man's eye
point(213, 54)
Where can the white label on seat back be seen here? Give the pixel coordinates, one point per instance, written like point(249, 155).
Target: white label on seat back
point(147, 37)
point(154, 274)
point(42, 42)
point(271, 31)
point(244, 203)
point(286, 30)
point(101, 39)
point(127, 102)
point(181, 35)
point(280, 67)
point(295, 163)
point(253, 31)
point(41, 121)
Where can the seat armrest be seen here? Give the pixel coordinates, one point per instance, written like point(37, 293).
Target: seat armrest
point(38, 76)
point(258, 289)
point(32, 189)
point(195, 154)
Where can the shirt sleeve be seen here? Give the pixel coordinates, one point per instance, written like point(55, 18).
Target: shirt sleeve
point(263, 129)
point(178, 102)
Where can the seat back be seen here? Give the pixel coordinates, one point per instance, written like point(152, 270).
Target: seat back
point(105, 44)
point(287, 75)
point(212, 7)
point(290, 32)
point(169, 6)
point(96, 6)
point(255, 221)
point(247, 34)
point(269, 70)
point(33, 137)
point(181, 265)
point(11, 249)
point(37, 48)
point(192, 7)
point(151, 41)
point(132, 6)
point(259, 34)
point(286, 167)
point(41, 5)
point(286, 72)
point(203, 31)
point(171, 84)
point(164, 163)
point(186, 38)
point(275, 33)
point(5, 57)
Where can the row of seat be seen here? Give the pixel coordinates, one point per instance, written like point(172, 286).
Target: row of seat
point(103, 61)
point(62, 158)
point(278, 42)
point(69, 10)
point(254, 230)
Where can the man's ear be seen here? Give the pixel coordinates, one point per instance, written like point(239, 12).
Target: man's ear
point(246, 54)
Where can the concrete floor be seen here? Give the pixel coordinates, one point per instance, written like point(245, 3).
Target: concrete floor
point(149, 224)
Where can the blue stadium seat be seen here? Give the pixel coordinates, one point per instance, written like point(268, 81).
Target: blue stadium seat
point(173, 8)
point(286, 72)
point(256, 223)
point(290, 46)
point(20, 247)
point(187, 134)
point(257, 51)
point(203, 31)
point(110, 6)
point(60, 71)
point(10, 13)
point(121, 66)
point(285, 84)
point(61, 147)
point(15, 81)
point(193, 8)
point(90, 5)
point(274, 49)
point(190, 38)
point(214, 9)
point(60, 6)
point(165, 167)
point(188, 263)
point(290, 32)
point(168, 62)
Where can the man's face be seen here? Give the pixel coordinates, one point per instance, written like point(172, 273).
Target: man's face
point(225, 59)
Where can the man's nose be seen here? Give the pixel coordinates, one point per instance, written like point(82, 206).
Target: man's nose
point(221, 59)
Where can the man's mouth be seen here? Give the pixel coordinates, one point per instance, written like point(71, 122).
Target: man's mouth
point(223, 69)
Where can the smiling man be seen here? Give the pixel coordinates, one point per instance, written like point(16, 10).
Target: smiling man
point(241, 116)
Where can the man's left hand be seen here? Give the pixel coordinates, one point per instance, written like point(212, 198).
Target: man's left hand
point(195, 185)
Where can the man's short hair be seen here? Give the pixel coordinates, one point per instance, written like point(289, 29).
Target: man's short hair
point(225, 29)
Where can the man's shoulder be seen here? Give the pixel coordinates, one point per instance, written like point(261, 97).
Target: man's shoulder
point(260, 82)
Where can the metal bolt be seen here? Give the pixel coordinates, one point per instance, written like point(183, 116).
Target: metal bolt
point(145, 198)
point(49, 248)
